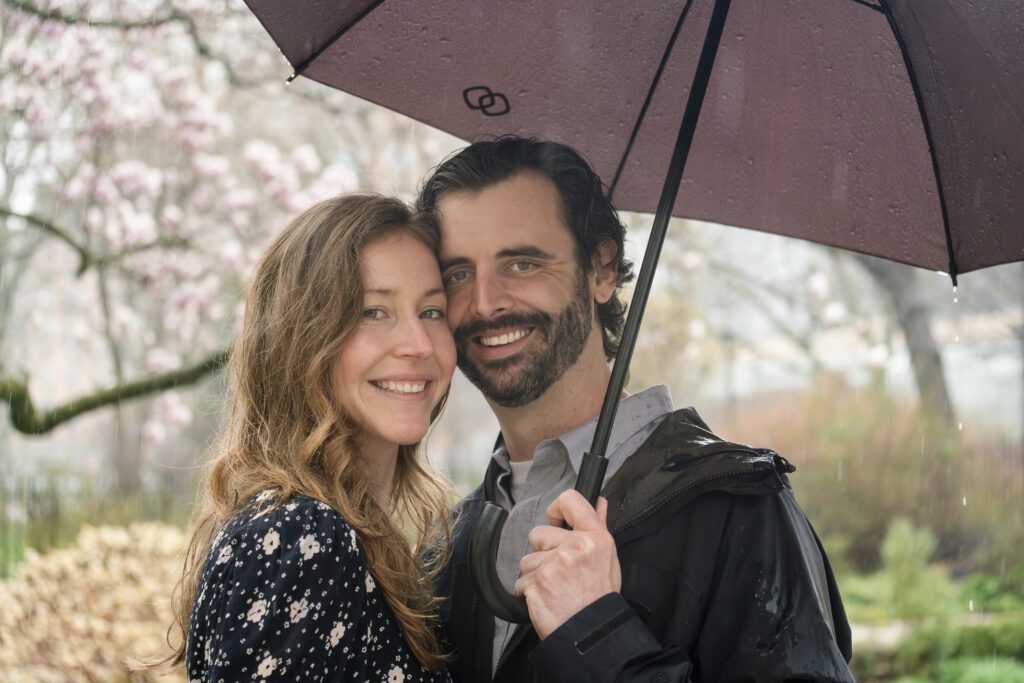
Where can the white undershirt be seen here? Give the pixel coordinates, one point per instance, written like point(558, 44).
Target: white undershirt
point(520, 470)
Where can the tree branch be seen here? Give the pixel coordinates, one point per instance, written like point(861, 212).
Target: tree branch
point(49, 228)
point(173, 16)
point(27, 420)
point(55, 15)
point(86, 259)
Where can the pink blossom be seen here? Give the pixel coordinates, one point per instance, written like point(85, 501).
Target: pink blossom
point(306, 159)
point(171, 216)
point(210, 166)
point(161, 360)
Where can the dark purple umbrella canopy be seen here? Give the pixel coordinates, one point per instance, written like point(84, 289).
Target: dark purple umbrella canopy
point(889, 127)
point(895, 131)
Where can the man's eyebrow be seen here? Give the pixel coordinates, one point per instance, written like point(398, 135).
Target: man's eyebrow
point(454, 261)
point(526, 250)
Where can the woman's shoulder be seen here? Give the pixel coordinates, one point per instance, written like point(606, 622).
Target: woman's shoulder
point(267, 527)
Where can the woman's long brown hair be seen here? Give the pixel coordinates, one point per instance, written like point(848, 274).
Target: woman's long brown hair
point(286, 431)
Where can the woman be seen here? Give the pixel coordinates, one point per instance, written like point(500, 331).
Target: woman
point(300, 567)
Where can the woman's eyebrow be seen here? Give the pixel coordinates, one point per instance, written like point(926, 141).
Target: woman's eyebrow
point(383, 291)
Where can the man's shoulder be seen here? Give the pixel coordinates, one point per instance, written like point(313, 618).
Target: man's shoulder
point(681, 462)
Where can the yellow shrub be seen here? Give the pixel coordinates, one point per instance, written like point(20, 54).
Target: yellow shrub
point(79, 613)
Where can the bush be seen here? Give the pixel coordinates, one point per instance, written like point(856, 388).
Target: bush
point(977, 670)
point(865, 458)
point(996, 636)
point(78, 613)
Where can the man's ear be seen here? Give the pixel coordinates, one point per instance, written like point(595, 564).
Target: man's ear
point(604, 265)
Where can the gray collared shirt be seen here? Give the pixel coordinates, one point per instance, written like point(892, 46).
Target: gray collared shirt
point(556, 463)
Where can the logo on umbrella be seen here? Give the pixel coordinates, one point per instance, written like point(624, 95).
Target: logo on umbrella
point(489, 103)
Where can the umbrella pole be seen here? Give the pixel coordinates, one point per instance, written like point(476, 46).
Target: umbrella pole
point(483, 543)
point(591, 475)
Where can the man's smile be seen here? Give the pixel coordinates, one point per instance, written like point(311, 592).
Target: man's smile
point(504, 338)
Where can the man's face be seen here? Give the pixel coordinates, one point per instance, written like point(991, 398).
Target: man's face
point(519, 305)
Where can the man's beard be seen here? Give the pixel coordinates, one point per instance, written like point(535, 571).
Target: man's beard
point(518, 380)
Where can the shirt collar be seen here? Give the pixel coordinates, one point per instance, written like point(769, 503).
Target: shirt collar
point(634, 413)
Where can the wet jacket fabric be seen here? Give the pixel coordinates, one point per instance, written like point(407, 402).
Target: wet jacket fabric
point(723, 578)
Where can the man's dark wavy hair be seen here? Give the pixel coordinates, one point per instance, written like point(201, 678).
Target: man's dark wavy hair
point(588, 213)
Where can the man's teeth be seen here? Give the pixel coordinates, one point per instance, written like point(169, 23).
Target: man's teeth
point(402, 387)
point(507, 338)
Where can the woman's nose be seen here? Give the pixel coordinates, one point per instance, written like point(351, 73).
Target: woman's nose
point(414, 339)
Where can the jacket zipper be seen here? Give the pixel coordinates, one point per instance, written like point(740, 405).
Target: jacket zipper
point(646, 514)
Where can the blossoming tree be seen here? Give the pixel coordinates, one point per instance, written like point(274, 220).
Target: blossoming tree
point(148, 149)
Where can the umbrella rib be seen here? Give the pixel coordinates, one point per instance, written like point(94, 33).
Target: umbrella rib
point(647, 100)
point(344, 29)
point(953, 270)
point(877, 8)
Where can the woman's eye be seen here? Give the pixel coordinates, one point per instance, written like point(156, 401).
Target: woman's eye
point(373, 314)
point(433, 314)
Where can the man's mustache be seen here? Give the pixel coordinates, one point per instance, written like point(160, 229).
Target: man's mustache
point(476, 328)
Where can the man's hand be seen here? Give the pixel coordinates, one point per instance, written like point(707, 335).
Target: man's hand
point(568, 570)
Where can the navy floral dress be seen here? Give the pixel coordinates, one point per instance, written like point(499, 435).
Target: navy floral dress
point(285, 595)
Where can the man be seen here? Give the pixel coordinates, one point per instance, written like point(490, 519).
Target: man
point(699, 565)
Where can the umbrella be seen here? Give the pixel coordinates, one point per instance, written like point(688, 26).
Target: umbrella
point(889, 127)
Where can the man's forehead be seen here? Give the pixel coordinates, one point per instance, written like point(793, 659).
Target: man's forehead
point(517, 214)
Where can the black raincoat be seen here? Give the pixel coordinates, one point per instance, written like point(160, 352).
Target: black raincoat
point(723, 578)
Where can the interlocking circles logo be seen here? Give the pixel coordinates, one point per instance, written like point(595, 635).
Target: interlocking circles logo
point(488, 102)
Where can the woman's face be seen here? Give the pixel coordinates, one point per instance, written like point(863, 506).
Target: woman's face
point(398, 363)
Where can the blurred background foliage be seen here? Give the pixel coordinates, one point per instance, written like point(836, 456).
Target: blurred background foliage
point(149, 149)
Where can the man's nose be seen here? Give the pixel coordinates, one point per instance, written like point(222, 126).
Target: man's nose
point(491, 297)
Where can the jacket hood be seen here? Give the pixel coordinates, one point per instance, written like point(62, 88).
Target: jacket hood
point(681, 460)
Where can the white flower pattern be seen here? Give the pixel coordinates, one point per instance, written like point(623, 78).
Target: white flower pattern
point(298, 610)
point(225, 555)
point(308, 546)
point(267, 666)
point(337, 633)
point(271, 541)
point(256, 612)
point(265, 612)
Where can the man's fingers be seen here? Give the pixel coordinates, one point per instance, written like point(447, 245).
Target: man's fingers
point(531, 561)
point(573, 509)
point(602, 510)
point(547, 537)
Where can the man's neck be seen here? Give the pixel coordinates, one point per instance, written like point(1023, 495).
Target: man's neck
point(571, 401)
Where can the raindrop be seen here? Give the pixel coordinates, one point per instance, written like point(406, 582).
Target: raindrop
point(970, 605)
point(965, 501)
point(960, 426)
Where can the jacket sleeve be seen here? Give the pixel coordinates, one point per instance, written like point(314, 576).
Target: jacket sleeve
point(767, 616)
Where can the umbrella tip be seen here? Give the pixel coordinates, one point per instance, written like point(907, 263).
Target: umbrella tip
point(295, 74)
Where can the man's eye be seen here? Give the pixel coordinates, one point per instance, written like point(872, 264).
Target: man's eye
point(456, 277)
point(523, 266)
point(373, 314)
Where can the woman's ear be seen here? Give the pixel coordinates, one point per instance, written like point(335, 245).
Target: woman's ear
point(605, 270)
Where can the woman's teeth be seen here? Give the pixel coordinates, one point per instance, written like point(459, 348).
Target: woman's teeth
point(402, 387)
point(507, 338)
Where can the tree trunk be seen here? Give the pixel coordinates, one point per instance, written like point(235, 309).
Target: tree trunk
point(901, 285)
